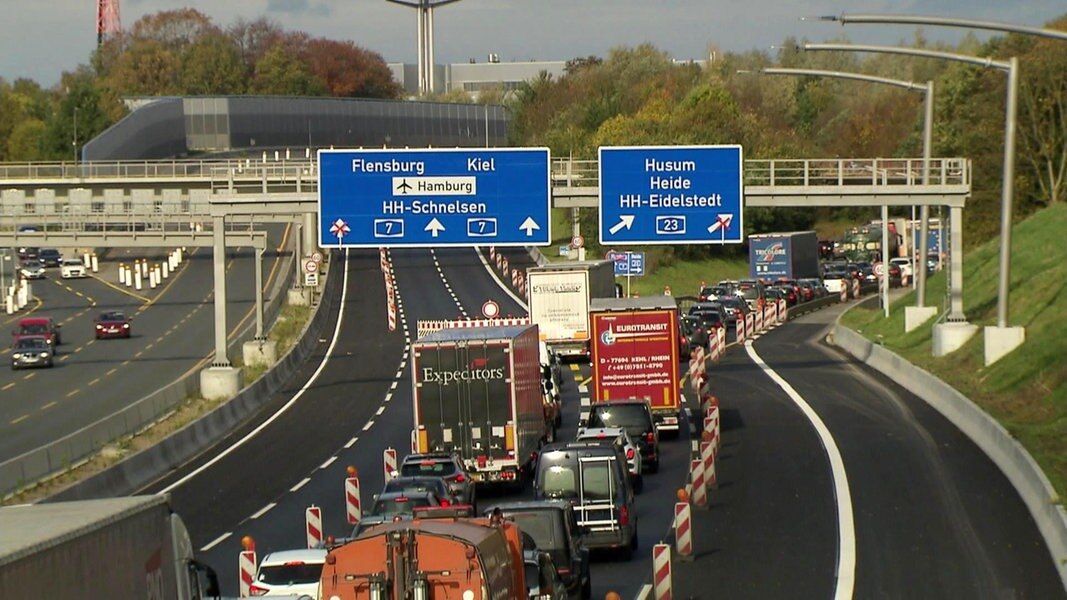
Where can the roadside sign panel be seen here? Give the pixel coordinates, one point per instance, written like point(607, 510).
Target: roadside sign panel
point(671, 195)
point(627, 263)
point(432, 198)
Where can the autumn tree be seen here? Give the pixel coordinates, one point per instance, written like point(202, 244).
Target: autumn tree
point(280, 73)
point(349, 71)
point(213, 65)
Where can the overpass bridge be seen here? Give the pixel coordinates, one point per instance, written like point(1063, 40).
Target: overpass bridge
point(162, 202)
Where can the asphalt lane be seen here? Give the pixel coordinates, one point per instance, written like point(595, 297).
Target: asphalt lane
point(933, 517)
point(172, 334)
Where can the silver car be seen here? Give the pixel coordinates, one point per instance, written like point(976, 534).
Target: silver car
point(32, 351)
point(447, 466)
point(32, 269)
point(619, 437)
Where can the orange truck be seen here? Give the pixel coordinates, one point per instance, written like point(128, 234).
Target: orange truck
point(635, 348)
point(439, 557)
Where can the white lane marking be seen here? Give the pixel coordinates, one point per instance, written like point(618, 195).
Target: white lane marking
point(381, 409)
point(368, 425)
point(499, 282)
point(846, 528)
point(583, 389)
point(264, 510)
point(289, 404)
point(351, 442)
point(393, 386)
point(448, 286)
point(328, 462)
point(216, 541)
point(304, 482)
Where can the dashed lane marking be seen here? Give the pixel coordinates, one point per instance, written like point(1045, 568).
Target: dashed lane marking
point(300, 484)
point(328, 462)
point(216, 541)
point(49, 405)
point(264, 510)
point(73, 393)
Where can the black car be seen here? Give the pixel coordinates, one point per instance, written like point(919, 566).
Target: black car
point(695, 332)
point(411, 485)
point(31, 351)
point(390, 504)
point(50, 257)
point(635, 416)
point(554, 528)
point(736, 308)
point(785, 292)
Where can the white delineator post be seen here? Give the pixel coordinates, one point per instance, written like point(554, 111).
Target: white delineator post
point(661, 572)
point(353, 507)
point(313, 525)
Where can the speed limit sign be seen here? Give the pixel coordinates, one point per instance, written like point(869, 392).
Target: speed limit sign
point(577, 241)
point(879, 269)
point(317, 257)
point(311, 266)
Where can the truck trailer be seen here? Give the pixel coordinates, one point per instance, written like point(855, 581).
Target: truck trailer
point(559, 302)
point(635, 353)
point(469, 558)
point(131, 547)
point(792, 255)
point(478, 391)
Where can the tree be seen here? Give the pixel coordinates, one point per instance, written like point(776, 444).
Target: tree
point(254, 39)
point(350, 71)
point(212, 65)
point(279, 73)
point(175, 30)
point(146, 68)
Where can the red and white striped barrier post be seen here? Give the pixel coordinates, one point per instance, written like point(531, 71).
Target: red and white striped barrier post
point(504, 267)
point(699, 490)
point(741, 333)
point(499, 262)
point(492, 253)
point(661, 572)
point(515, 278)
point(383, 258)
point(389, 464)
point(353, 506)
point(683, 530)
point(783, 311)
point(246, 566)
point(855, 288)
point(759, 321)
point(844, 290)
point(313, 525)
point(711, 425)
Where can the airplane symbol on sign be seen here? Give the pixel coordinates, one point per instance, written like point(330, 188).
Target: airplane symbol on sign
point(404, 186)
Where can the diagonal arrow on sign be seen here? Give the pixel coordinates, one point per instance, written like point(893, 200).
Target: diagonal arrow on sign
point(721, 222)
point(626, 221)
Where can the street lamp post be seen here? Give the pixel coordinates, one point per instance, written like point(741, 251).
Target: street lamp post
point(928, 128)
point(75, 142)
point(1004, 338)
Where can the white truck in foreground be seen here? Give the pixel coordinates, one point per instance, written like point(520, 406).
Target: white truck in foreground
point(131, 547)
point(559, 302)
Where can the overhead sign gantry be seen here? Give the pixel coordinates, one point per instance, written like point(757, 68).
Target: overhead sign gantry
point(432, 198)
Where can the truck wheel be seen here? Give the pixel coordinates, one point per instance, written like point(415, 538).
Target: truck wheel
point(639, 483)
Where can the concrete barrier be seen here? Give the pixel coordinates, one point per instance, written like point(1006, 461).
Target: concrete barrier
point(1008, 454)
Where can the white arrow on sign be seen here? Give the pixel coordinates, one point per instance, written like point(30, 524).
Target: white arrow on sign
point(721, 222)
point(529, 226)
point(626, 221)
point(434, 227)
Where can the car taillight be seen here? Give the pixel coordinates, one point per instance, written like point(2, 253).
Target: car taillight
point(624, 516)
point(460, 478)
point(563, 571)
point(444, 503)
point(629, 454)
point(255, 590)
point(650, 437)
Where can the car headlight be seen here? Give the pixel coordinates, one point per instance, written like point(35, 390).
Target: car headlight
point(44, 355)
point(16, 356)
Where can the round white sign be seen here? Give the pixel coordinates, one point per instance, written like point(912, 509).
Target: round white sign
point(577, 241)
point(310, 266)
point(490, 310)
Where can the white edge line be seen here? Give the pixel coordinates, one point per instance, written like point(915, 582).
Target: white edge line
point(296, 396)
point(263, 510)
point(351, 442)
point(296, 487)
point(507, 290)
point(845, 583)
point(216, 541)
point(328, 462)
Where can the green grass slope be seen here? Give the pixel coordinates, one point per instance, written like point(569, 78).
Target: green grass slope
point(1025, 390)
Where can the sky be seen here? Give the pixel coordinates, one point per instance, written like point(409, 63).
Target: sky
point(40, 39)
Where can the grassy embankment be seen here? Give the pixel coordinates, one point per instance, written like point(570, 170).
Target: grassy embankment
point(1025, 391)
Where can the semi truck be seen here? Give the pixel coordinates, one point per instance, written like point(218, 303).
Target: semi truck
point(130, 547)
point(559, 302)
point(469, 558)
point(792, 255)
point(477, 391)
point(635, 353)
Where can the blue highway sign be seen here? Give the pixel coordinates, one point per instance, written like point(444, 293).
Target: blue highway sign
point(671, 195)
point(627, 263)
point(431, 198)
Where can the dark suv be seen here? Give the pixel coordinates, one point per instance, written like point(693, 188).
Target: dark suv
point(554, 528)
point(592, 477)
point(447, 466)
point(635, 416)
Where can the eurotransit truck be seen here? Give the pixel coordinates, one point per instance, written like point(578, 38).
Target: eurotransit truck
point(130, 547)
point(793, 255)
point(559, 302)
point(635, 354)
point(477, 391)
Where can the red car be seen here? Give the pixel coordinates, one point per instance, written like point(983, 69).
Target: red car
point(112, 324)
point(42, 326)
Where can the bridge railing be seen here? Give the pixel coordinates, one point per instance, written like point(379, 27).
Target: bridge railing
point(879, 172)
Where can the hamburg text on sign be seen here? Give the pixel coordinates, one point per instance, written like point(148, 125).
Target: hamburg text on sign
point(671, 195)
point(427, 197)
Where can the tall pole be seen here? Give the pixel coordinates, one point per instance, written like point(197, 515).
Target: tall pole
point(424, 28)
point(75, 142)
point(1009, 148)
